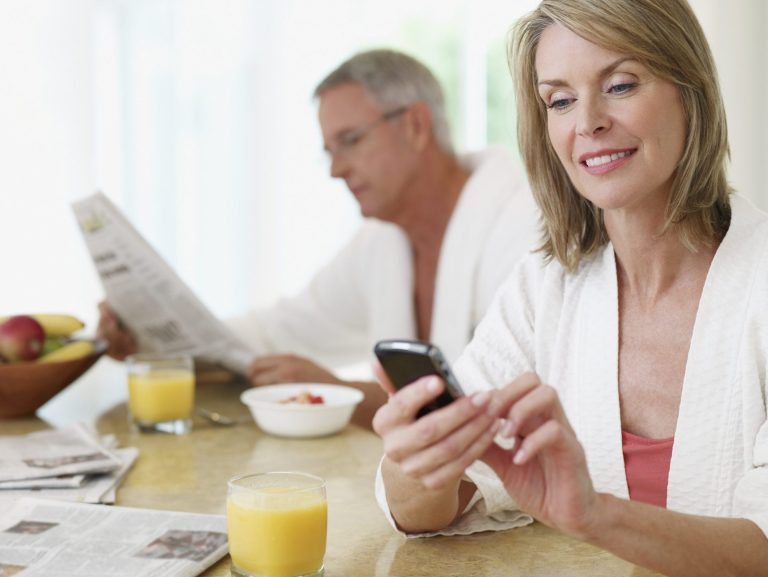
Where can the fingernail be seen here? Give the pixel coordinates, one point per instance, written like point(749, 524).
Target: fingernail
point(480, 399)
point(509, 430)
point(519, 457)
point(433, 384)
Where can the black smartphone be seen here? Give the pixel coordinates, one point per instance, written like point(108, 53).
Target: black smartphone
point(405, 361)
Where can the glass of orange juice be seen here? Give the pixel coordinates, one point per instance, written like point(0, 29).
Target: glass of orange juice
point(161, 392)
point(277, 525)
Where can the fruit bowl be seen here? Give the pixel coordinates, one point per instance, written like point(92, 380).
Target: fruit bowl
point(26, 386)
point(289, 419)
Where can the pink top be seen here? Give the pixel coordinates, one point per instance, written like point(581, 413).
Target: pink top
point(646, 462)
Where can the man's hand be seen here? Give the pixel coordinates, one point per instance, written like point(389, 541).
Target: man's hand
point(121, 341)
point(275, 369)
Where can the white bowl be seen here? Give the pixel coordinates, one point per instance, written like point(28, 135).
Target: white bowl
point(298, 420)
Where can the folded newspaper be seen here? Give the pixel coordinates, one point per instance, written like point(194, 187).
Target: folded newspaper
point(147, 294)
point(70, 464)
point(55, 539)
point(52, 453)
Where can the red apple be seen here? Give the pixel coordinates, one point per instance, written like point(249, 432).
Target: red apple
point(21, 339)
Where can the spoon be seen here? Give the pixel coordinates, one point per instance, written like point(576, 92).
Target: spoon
point(215, 418)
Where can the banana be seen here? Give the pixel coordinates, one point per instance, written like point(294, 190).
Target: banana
point(59, 325)
point(56, 325)
point(70, 351)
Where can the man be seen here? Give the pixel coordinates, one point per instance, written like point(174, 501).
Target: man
point(440, 235)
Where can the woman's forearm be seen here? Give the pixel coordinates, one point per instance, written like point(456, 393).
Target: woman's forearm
point(679, 545)
point(416, 509)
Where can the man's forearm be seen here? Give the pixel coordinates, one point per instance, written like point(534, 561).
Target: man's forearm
point(373, 399)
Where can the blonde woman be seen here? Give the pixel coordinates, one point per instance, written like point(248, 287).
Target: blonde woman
point(626, 359)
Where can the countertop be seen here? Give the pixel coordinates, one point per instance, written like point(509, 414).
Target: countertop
point(190, 473)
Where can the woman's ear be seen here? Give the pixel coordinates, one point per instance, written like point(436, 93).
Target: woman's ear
point(419, 124)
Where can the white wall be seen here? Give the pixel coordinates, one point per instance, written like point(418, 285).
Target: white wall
point(46, 155)
point(203, 129)
point(736, 31)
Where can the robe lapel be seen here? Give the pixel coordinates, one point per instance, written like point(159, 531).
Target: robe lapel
point(707, 423)
point(465, 238)
point(596, 361)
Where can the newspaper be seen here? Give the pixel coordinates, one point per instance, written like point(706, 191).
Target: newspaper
point(63, 482)
point(100, 488)
point(145, 292)
point(54, 453)
point(71, 464)
point(56, 539)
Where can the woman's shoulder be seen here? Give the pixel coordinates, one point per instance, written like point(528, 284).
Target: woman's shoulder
point(745, 245)
point(746, 219)
point(542, 269)
point(538, 280)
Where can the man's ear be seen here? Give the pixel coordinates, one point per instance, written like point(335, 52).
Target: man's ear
point(419, 123)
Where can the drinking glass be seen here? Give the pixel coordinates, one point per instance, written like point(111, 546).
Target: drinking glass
point(277, 524)
point(161, 392)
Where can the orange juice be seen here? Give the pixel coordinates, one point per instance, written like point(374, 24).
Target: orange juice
point(161, 395)
point(277, 532)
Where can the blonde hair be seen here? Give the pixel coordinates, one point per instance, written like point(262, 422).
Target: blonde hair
point(664, 36)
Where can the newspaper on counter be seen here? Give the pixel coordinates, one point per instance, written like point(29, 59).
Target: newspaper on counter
point(146, 293)
point(99, 488)
point(106, 485)
point(63, 482)
point(54, 453)
point(56, 539)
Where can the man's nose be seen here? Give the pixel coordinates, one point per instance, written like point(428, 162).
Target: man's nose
point(339, 166)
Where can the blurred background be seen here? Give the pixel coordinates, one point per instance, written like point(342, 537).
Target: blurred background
point(196, 118)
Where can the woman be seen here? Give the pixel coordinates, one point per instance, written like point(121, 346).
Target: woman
point(627, 358)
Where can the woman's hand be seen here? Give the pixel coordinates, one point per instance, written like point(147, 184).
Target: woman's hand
point(546, 472)
point(425, 458)
point(438, 447)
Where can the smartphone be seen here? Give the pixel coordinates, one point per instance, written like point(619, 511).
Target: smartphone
point(405, 361)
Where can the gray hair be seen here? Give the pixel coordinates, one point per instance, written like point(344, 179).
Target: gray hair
point(394, 79)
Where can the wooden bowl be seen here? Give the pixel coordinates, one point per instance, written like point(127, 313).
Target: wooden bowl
point(25, 387)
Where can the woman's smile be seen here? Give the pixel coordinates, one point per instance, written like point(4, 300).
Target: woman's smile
point(604, 161)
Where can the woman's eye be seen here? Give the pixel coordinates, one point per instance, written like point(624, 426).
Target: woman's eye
point(560, 103)
point(622, 88)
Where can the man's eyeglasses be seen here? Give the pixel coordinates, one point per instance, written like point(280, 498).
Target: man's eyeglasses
point(347, 141)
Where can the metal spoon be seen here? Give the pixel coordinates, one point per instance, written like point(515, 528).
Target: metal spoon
point(215, 418)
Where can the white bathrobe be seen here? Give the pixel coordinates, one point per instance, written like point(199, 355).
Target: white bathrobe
point(366, 292)
point(565, 328)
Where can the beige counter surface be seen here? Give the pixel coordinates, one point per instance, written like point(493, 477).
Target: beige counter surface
point(190, 473)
